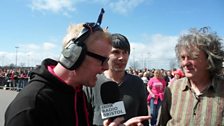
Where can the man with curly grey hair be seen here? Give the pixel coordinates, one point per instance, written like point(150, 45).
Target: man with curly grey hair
point(198, 98)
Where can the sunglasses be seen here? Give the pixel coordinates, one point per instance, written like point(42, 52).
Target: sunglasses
point(103, 59)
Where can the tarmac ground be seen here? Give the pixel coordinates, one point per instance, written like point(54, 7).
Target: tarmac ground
point(6, 96)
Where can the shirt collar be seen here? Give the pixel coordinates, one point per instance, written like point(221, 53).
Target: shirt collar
point(186, 85)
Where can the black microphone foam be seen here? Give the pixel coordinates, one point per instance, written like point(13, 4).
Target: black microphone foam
point(110, 92)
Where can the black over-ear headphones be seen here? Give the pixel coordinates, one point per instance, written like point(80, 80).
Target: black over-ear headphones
point(74, 53)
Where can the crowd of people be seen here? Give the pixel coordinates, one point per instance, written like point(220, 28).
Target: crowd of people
point(65, 92)
point(14, 78)
point(17, 78)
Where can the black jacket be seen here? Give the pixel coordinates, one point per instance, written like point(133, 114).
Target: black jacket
point(47, 101)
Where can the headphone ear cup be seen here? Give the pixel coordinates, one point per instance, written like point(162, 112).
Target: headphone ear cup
point(73, 55)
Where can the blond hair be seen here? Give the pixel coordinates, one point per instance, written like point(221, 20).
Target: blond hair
point(75, 29)
point(72, 32)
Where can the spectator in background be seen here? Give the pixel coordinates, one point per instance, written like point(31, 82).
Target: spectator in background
point(198, 98)
point(168, 77)
point(2, 78)
point(155, 87)
point(145, 77)
point(177, 75)
point(22, 80)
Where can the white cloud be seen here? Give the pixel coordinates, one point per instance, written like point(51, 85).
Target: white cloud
point(154, 51)
point(31, 46)
point(163, 46)
point(67, 6)
point(48, 46)
point(53, 5)
point(157, 51)
point(31, 54)
point(124, 6)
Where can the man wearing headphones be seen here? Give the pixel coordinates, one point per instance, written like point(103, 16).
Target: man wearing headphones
point(54, 95)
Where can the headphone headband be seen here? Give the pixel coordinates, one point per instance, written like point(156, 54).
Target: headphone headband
point(74, 54)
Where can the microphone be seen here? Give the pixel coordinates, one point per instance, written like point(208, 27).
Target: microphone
point(99, 20)
point(112, 105)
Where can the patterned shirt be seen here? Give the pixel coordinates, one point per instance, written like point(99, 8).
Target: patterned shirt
point(182, 107)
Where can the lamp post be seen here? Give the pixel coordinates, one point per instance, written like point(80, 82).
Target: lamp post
point(16, 54)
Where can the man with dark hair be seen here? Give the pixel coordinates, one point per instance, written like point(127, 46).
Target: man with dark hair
point(132, 89)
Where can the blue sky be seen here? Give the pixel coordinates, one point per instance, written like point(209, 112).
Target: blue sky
point(37, 27)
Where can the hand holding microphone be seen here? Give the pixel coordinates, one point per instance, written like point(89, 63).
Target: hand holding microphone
point(113, 107)
point(135, 121)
